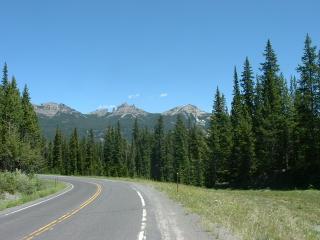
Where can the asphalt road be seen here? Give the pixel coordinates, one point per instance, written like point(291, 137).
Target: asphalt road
point(100, 209)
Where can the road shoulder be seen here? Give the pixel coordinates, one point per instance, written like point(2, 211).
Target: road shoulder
point(173, 221)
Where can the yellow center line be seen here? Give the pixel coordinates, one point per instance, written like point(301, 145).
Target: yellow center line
point(65, 216)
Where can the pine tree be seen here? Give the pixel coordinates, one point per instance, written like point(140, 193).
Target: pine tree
point(169, 173)
point(180, 153)
point(57, 153)
point(11, 108)
point(317, 89)
point(119, 151)
point(116, 159)
point(3, 139)
point(65, 157)
point(5, 78)
point(74, 155)
point(197, 155)
point(107, 151)
point(220, 143)
point(268, 122)
point(10, 117)
point(136, 146)
point(90, 161)
point(242, 155)
point(158, 152)
point(213, 146)
point(247, 84)
point(306, 107)
point(82, 166)
point(236, 115)
point(131, 164)
point(49, 157)
point(30, 131)
point(3, 90)
point(285, 146)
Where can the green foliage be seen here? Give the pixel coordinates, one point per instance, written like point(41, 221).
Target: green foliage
point(197, 153)
point(181, 162)
point(270, 138)
point(25, 188)
point(307, 129)
point(247, 84)
point(17, 182)
point(220, 143)
point(242, 155)
point(20, 141)
point(158, 160)
point(57, 166)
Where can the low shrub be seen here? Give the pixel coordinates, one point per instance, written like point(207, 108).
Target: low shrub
point(17, 182)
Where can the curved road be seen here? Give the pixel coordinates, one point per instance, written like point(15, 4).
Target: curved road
point(100, 209)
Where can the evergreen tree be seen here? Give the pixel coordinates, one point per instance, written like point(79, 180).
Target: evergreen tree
point(242, 155)
point(108, 151)
point(90, 161)
point(306, 107)
point(11, 113)
point(236, 115)
point(131, 164)
point(30, 131)
point(136, 147)
point(268, 127)
point(146, 150)
point(169, 173)
point(220, 143)
point(181, 163)
point(48, 156)
point(57, 153)
point(66, 166)
point(10, 117)
point(158, 152)
point(197, 155)
point(5, 78)
point(119, 151)
point(74, 155)
point(82, 165)
point(247, 84)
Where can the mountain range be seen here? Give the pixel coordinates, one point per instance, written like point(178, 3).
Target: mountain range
point(52, 115)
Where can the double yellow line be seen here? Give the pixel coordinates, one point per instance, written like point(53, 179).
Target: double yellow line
point(65, 216)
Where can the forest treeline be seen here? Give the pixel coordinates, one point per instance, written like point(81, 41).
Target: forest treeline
point(20, 135)
point(269, 138)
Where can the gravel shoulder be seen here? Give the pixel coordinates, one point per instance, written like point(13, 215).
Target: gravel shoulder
point(173, 221)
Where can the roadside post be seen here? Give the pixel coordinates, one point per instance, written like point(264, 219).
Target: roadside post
point(177, 182)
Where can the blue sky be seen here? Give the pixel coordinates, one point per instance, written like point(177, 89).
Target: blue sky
point(155, 54)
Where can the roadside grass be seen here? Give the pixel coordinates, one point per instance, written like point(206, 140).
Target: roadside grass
point(249, 214)
point(252, 214)
point(44, 188)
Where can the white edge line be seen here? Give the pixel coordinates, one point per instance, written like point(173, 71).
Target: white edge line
point(141, 198)
point(142, 233)
point(38, 203)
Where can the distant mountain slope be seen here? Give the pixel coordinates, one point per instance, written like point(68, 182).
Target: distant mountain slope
point(52, 115)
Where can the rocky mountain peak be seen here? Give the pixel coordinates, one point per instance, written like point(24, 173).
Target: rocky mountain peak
point(51, 109)
point(185, 110)
point(100, 112)
point(126, 109)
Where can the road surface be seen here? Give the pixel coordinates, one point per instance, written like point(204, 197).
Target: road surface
point(100, 209)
